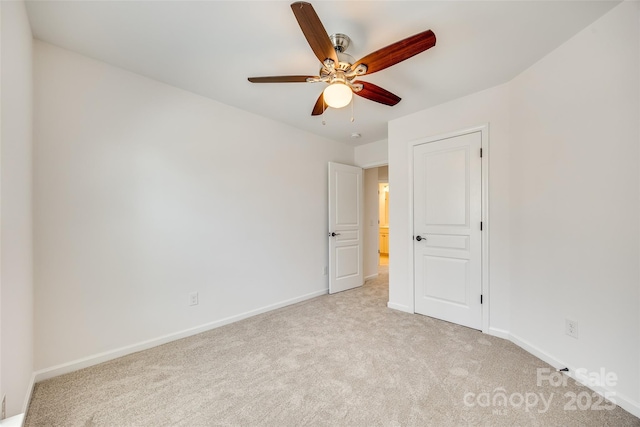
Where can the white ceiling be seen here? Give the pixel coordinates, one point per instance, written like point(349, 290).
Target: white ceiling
point(211, 47)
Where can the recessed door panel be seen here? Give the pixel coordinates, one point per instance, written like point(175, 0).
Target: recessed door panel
point(348, 236)
point(446, 187)
point(347, 262)
point(446, 279)
point(447, 241)
point(347, 190)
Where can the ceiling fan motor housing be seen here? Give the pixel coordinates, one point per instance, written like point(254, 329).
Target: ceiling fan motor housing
point(340, 41)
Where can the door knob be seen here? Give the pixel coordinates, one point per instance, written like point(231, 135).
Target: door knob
point(334, 234)
point(419, 238)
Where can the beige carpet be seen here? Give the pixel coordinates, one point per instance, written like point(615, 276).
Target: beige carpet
point(335, 360)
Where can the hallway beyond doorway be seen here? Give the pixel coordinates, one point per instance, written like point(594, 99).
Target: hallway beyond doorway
point(384, 259)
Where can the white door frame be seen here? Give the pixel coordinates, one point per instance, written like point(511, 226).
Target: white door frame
point(484, 132)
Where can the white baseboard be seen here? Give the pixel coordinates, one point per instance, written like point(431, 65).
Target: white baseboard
point(27, 398)
point(500, 333)
point(623, 401)
point(399, 307)
point(95, 359)
point(15, 421)
point(530, 348)
point(373, 276)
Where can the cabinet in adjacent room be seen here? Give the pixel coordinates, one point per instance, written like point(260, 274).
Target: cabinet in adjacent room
point(384, 240)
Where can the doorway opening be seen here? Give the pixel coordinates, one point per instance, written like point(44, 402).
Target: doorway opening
point(383, 223)
point(376, 220)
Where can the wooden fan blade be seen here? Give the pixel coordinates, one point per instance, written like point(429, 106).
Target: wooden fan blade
point(320, 106)
point(314, 31)
point(280, 79)
point(377, 94)
point(397, 52)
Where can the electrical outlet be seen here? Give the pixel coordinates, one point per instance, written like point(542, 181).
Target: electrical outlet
point(571, 328)
point(193, 298)
point(4, 408)
point(325, 270)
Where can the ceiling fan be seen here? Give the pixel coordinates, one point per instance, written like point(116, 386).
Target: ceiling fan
point(340, 70)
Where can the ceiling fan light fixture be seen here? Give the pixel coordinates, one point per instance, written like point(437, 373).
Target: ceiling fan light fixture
point(337, 95)
point(340, 70)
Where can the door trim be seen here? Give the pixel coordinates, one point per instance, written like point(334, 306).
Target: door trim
point(484, 144)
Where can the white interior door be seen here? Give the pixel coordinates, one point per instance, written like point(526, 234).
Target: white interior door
point(447, 202)
point(346, 199)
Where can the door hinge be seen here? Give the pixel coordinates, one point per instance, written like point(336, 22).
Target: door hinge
point(480, 225)
point(481, 152)
point(480, 298)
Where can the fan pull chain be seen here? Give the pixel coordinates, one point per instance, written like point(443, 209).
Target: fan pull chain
point(323, 110)
point(352, 102)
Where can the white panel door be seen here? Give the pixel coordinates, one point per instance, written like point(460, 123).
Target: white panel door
point(346, 199)
point(447, 203)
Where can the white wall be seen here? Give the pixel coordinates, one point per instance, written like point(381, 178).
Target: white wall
point(574, 205)
point(564, 206)
point(16, 282)
point(372, 154)
point(489, 106)
point(145, 193)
